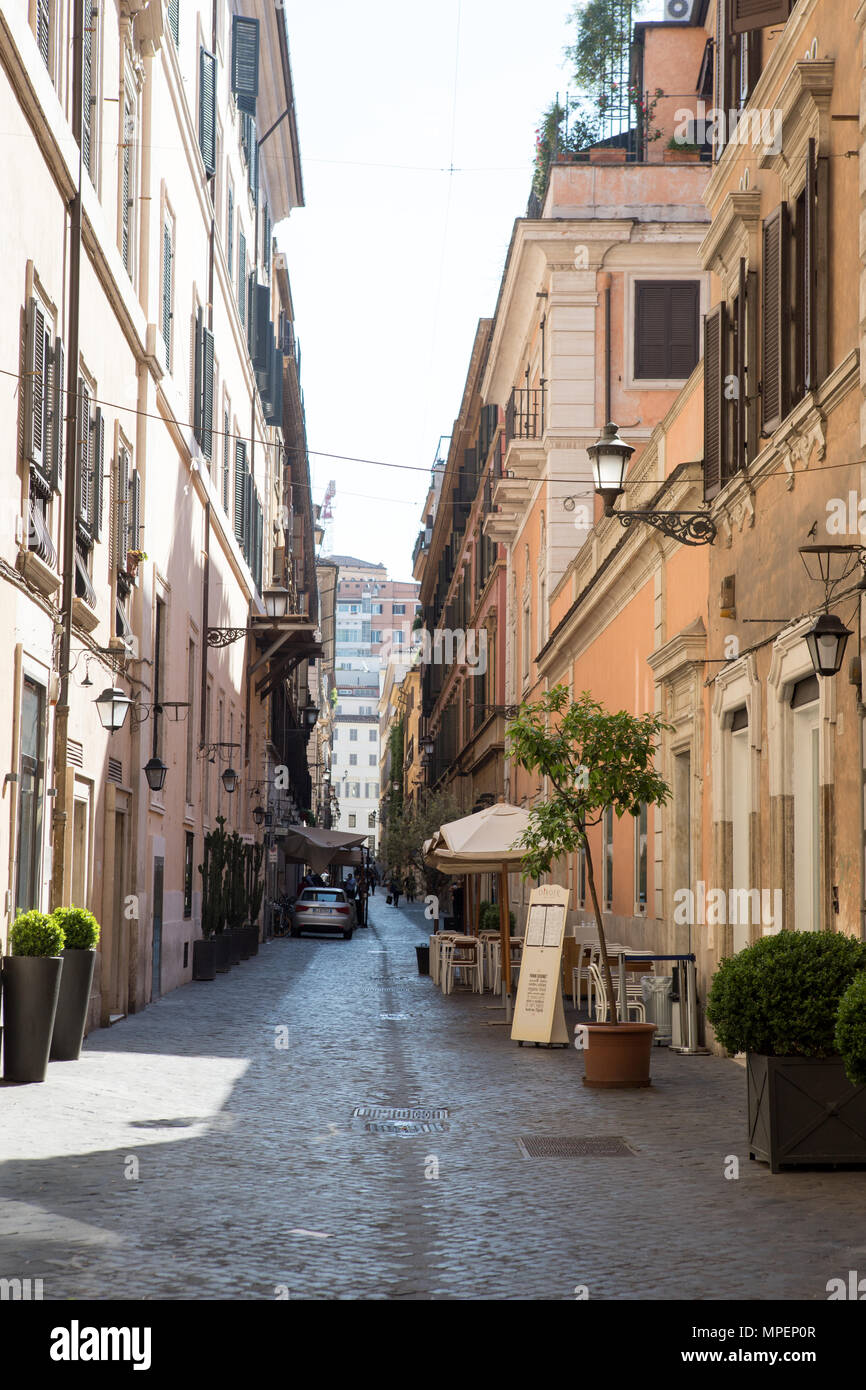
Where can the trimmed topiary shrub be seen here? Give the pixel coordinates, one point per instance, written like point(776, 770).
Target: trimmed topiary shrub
point(488, 917)
point(35, 934)
point(851, 1030)
point(781, 995)
point(80, 927)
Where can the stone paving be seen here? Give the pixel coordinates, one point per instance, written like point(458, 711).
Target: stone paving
point(190, 1155)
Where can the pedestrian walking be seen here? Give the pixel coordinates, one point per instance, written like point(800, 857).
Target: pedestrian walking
point(409, 887)
point(394, 890)
point(350, 887)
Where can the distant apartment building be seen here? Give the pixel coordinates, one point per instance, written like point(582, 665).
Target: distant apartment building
point(374, 617)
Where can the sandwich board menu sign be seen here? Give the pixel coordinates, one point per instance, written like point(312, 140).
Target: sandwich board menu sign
point(538, 1013)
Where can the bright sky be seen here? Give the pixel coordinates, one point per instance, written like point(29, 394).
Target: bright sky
point(394, 259)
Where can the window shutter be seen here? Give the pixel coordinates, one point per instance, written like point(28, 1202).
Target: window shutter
point(167, 252)
point(240, 472)
point(206, 440)
point(810, 266)
point(266, 247)
point(246, 516)
point(253, 165)
point(197, 375)
point(174, 20)
point(275, 390)
point(87, 90)
point(231, 231)
point(722, 62)
point(242, 276)
point(774, 340)
point(34, 386)
point(121, 510)
point(715, 334)
point(758, 14)
point(740, 412)
point(684, 306)
point(207, 109)
point(261, 328)
point(135, 510)
point(125, 201)
point(666, 328)
point(98, 464)
point(226, 463)
point(83, 445)
point(650, 345)
point(245, 62)
point(43, 29)
point(58, 441)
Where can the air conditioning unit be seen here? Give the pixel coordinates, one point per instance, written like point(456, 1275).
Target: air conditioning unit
point(680, 11)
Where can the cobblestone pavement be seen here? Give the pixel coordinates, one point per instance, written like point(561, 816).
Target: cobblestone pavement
point(187, 1155)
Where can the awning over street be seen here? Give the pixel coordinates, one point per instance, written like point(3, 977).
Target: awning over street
point(309, 844)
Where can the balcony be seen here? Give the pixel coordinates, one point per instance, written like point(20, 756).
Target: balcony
point(524, 414)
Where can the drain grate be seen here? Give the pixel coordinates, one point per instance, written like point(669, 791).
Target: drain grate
point(567, 1146)
point(406, 1120)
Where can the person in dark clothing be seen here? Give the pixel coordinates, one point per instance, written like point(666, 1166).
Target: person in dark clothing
point(394, 889)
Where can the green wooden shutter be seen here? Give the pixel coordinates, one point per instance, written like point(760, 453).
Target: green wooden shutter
point(207, 109)
point(85, 445)
point(240, 472)
point(715, 338)
point(231, 231)
point(207, 393)
point(242, 276)
point(121, 510)
point(34, 386)
point(98, 464)
point(174, 20)
point(135, 510)
point(59, 417)
point(758, 14)
point(775, 319)
point(87, 92)
point(245, 62)
point(167, 255)
point(43, 29)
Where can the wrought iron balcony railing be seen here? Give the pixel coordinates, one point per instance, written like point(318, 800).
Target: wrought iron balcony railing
point(524, 414)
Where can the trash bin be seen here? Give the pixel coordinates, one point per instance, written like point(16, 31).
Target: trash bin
point(656, 991)
point(423, 954)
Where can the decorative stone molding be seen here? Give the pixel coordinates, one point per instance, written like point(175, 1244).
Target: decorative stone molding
point(805, 437)
point(688, 648)
point(734, 233)
point(804, 103)
point(149, 23)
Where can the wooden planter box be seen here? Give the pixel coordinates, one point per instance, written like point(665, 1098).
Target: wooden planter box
point(614, 155)
point(682, 156)
point(804, 1111)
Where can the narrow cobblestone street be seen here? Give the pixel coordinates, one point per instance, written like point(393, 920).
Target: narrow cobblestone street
point(252, 1173)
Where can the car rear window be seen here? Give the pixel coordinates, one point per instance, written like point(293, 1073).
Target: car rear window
point(322, 895)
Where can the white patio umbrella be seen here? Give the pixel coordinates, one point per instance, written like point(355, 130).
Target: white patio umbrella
point(479, 844)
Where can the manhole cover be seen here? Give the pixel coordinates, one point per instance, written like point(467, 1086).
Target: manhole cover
point(566, 1146)
point(391, 1112)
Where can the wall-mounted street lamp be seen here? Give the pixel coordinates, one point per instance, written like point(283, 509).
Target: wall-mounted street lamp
point(609, 457)
point(112, 706)
point(426, 745)
point(230, 780)
point(827, 640)
point(259, 815)
point(154, 771)
point(276, 601)
point(828, 636)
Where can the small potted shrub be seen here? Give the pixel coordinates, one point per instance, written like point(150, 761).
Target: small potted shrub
point(682, 152)
point(778, 1001)
point(851, 1030)
point(31, 982)
point(81, 935)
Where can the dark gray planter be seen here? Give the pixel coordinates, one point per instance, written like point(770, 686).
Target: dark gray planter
point(243, 934)
point(76, 980)
point(222, 950)
point(804, 1111)
point(31, 985)
point(234, 947)
point(204, 959)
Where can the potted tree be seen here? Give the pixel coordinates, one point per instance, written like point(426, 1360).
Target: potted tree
point(592, 759)
point(236, 897)
point(81, 935)
point(31, 983)
point(255, 893)
point(211, 953)
point(778, 1002)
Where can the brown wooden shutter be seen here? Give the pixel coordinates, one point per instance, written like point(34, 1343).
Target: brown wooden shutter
point(810, 266)
point(740, 413)
point(683, 329)
point(722, 82)
point(715, 335)
point(751, 399)
point(34, 385)
point(650, 337)
point(775, 320)
point(758, 14)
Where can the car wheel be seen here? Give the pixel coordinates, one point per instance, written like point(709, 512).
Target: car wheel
point(347, 935)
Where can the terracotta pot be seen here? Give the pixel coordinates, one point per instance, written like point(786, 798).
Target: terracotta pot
point(682, 156)
point(614, 154)
point(617, 1055)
